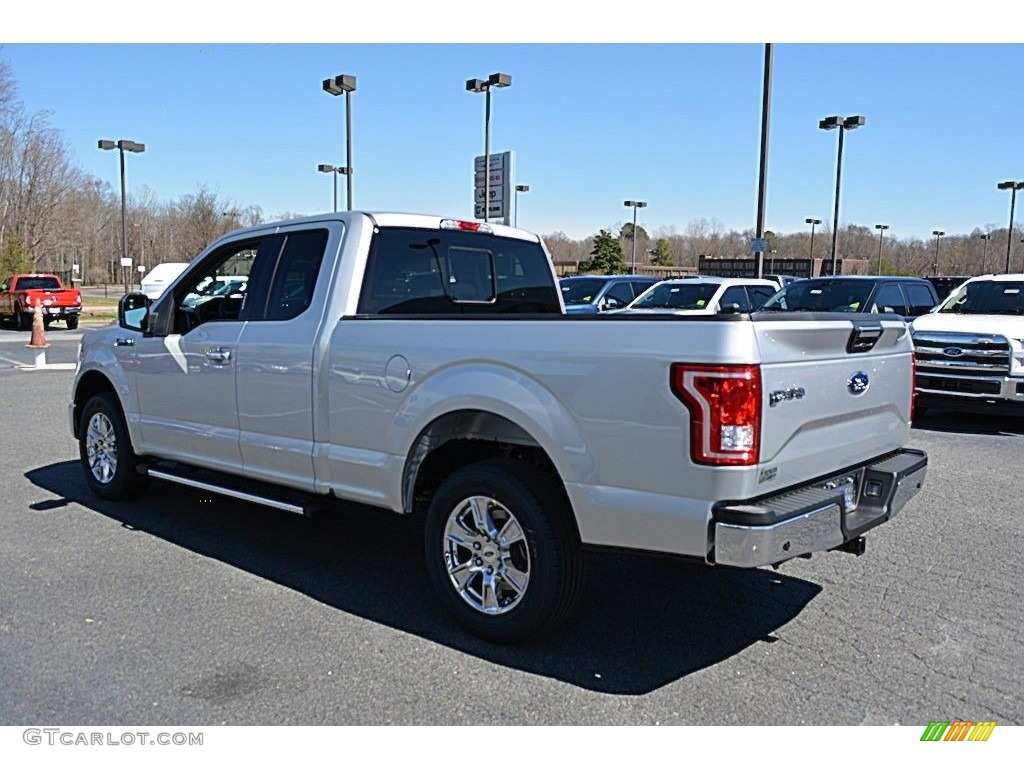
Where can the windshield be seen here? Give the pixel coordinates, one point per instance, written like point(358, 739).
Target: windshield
point(821, 296)
point(581, 291)
point(986, 297)
point(676, 296)
point(38, 284)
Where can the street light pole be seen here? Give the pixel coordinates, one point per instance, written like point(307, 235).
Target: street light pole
point(122, 146)
point(938, 233)
point(336, 86)
point(519, 188)
point(475, 85)
point(1013, 186)
point(634, 204)
point(844, 124)
point(881, 231)
point(984, 251)
point(334, 171)
point(812, 222)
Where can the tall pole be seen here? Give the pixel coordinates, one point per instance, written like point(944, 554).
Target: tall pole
point(938, 234)
point(1009, 232)
point(348, 153)
point(881, 232)
point(835, 215)
point(335, 175)
point(812, 222)
point(124, 221)
point(762, 182)
point(984, 252)
point(487, 153)
point(632, 270)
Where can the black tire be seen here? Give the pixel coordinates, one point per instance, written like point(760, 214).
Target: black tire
point(22, 321)
point(548, 553)
point(72, 321)
point(106, 451)
point(46, 323)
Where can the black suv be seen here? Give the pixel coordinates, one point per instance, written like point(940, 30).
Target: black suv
point(904, 296)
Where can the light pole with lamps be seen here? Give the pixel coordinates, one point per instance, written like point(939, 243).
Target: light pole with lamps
point(122, 146)
point(335, 171)
point(938, 233)
point(497, 80)
point(1013, 186)
point(984, 251)
point(634, 204)
point(844, 124)
point(519, 188)
point(337, 86)
point(813, 223)
point(881, 231)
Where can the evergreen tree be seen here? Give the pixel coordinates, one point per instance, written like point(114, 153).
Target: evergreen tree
point(662, 256)
point(606, 258)
point(14, 258)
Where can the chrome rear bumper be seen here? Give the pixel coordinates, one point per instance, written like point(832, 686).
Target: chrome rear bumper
point(813, 518)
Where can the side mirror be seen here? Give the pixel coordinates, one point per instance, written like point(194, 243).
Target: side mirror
point(133, 312)
point(729, 309)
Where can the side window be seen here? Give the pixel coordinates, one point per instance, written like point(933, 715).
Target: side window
point(759, 294)
point(919, 298)
point(737, 294)
point(293, 280)
point(621, 293)
point(219, 289)
point(452, 272)
point(640, 286)
point(890, 295)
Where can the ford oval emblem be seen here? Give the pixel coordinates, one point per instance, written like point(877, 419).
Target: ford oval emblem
point(952, 352)
point(858, 383)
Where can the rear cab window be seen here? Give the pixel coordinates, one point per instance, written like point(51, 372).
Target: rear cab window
point(413, 271)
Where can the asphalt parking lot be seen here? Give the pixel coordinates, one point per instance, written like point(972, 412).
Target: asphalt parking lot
point(181, 608)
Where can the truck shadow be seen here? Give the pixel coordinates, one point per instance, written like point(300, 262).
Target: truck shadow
point(941, 420)
point(642, 622)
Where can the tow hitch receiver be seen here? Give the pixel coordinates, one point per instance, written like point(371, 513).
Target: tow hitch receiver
point(855, 546)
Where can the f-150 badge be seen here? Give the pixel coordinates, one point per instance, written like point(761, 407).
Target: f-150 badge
point(793, 393)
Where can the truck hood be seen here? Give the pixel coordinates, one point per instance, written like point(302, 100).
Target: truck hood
point(1011, 326)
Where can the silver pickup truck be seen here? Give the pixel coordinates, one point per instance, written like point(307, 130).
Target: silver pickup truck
point(426, 366)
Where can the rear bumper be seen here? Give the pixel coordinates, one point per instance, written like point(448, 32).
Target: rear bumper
point(55, 311)
point(813, 518)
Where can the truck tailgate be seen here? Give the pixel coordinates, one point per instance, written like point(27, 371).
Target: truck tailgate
point(836, 393)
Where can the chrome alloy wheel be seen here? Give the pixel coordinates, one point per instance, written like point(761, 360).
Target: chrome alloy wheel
point(101, 448)
point(486, 554)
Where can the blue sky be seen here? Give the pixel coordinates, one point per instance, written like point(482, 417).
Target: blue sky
point(676, 125)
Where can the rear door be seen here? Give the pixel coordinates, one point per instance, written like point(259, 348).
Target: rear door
point(835, 392)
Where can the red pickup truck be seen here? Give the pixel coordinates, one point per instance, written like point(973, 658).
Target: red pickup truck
point(19, 295)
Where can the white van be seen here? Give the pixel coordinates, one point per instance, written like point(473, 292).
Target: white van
point(160, 277)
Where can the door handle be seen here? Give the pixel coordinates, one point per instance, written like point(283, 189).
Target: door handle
point(219, 355)
point(124, 342)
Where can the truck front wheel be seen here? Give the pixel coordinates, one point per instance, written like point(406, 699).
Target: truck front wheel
point(106, 450)
point(502, 552)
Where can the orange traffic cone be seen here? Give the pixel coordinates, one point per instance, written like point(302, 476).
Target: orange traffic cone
point(38, 341)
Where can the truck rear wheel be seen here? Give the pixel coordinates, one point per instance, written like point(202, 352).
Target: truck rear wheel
point(502, 552)
point(22, 321)
point(72, 321)
point(106, 450)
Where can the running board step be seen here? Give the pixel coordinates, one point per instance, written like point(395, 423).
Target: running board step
point(253, 491)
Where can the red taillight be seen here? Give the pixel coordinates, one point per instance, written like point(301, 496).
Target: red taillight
point(725, 411)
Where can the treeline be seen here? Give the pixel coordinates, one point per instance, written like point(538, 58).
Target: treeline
point(970, 254)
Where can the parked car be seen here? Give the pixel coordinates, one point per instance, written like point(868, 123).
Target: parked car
point(782, 280)
point(21, 294)
point(590, 294)
point(970, 350)
point(704, 296)
point(946, 284)
point(161, 276)
point(904, 296)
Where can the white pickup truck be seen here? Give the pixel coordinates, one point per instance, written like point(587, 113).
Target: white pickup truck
point(426, 366)
point(970, 349)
